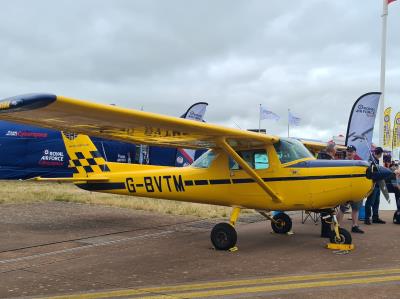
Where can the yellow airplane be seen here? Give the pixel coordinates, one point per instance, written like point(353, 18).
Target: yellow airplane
point(242, 169)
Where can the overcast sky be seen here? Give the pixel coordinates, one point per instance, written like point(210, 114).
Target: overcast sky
point(315, 57)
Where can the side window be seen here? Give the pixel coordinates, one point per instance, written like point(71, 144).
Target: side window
point(256, 159)
point(205, 160)
point(233, 164)
point(261, 160)
point(248, 156)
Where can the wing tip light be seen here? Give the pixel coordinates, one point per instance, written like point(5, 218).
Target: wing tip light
point(26, 102)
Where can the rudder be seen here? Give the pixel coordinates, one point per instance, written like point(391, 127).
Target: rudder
point(84, 158)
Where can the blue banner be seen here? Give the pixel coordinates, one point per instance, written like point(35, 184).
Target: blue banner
point(27, 152)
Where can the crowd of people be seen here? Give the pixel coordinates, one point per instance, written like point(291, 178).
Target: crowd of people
point(373, 200)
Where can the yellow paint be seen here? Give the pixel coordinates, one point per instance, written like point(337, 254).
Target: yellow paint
point(340, 246)
point(284, 287)
point(282, 186)
point(396, 131)
point(4, 105)
point(252, 173)
point(234, 216)
point(296, 195)
point(284, 283)
point(169, 182)
point(387, 131)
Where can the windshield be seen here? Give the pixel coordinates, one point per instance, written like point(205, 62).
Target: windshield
point(289, 150)
point(205, 160)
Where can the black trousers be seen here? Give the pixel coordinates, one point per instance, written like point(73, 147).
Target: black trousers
point(325, 227)
point(373, 202)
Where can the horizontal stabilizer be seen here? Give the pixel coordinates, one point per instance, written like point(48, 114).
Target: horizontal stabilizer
point(81, 179)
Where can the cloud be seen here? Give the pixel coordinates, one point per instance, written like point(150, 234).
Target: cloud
point(314, 57)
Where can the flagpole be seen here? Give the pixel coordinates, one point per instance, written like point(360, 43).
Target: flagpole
point(288, 122)
point(383, 71)
point(259, 120)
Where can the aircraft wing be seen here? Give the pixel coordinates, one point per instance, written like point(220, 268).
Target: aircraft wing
point(128, 125)
point(316, 146)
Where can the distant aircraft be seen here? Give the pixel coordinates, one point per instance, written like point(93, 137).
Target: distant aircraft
point(242, 169)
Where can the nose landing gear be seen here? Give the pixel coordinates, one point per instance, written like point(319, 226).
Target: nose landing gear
point(281, 223)
point(338, 234)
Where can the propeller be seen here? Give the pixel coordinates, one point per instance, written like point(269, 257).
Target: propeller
point(379, 174)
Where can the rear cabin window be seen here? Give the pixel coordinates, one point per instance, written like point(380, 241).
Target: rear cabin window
point(257, 159)
point(205, 160)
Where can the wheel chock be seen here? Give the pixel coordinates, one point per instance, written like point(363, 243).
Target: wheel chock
point(334, 246)
point(233, 249)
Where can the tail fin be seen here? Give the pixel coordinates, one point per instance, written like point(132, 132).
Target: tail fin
point(84, 157)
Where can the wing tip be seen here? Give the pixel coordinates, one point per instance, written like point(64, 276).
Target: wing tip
point(26, 102)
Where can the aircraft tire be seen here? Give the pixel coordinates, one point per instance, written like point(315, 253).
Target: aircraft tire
point(223, 236)
point(283, 225)
point(345, 237)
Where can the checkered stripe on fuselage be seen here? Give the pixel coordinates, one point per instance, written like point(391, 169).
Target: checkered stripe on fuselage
point(87, 162)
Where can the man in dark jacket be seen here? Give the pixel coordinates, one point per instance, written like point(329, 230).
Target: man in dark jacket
point(374, 198)
point(329, 153)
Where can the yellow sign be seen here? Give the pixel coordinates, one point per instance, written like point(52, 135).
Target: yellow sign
point(396, 131)
point(387, 132)
point(4, 105)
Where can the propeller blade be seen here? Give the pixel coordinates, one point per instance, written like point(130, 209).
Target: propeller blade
point(383, 187)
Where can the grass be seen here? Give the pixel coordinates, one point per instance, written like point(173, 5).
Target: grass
point(17, 192)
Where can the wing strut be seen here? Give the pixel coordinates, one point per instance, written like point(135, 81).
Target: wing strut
point(250, 171)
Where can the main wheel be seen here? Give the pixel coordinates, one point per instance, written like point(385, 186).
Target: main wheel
point(282, 223)
point(223, 236)
point(344, 237)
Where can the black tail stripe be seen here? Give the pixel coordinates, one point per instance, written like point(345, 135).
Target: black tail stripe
point(76, 162)
point(88, 168)
point(91, 161)
point(101, 186)
point(79, 155)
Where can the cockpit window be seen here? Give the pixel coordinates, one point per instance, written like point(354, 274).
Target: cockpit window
point(257, 159)
point(205, 160)
point(289, 150)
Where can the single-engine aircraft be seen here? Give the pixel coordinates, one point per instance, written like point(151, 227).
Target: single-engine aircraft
point(241, 169)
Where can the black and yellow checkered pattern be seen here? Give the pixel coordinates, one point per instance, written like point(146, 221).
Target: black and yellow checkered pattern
point(88, 162)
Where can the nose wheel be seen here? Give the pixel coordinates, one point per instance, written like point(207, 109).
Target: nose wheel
point(343, 238)
point(338, 234)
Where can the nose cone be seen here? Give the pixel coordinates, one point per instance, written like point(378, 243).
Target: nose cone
point(377, 173)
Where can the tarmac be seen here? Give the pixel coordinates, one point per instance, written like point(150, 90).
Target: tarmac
point(68, 250)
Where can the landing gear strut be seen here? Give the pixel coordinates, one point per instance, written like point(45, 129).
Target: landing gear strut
point(223, 235)
point(338, 235)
